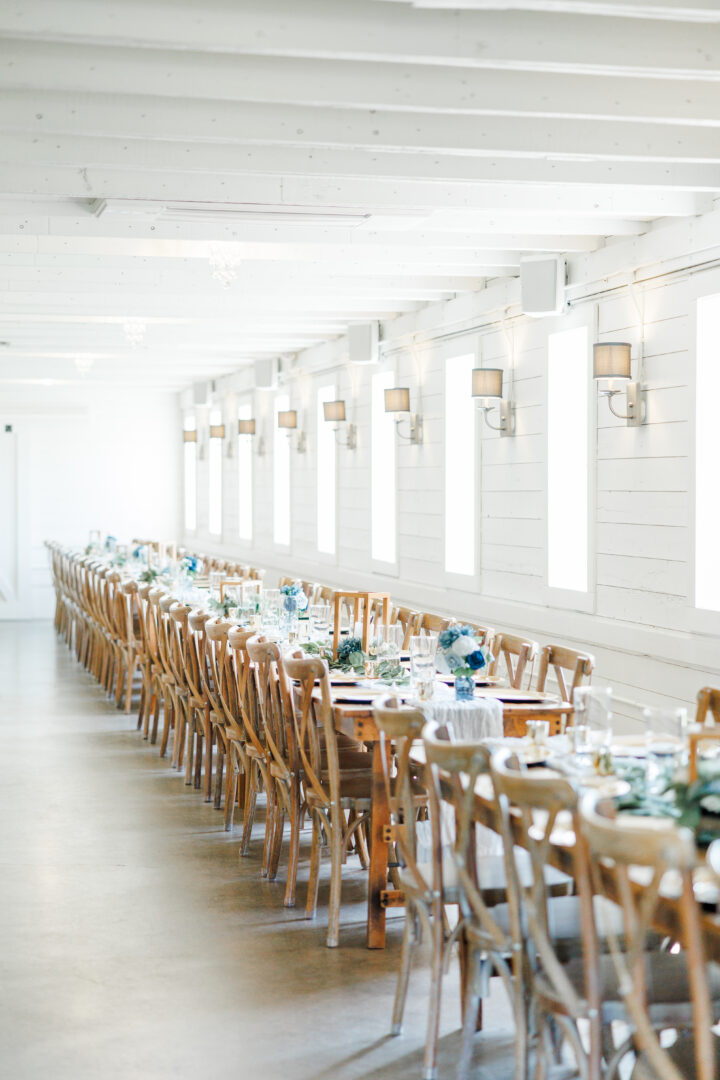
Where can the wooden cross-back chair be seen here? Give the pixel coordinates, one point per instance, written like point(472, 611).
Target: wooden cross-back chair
point(434, 623)
point(407, 618)
point(213, 663)
point(256, 752)
point(186, 645)
point(517, 655)
point(684, 993)
point(570, 668)
point(329, 791)
point(234, 695)
point(708, 701)
point(453, 771)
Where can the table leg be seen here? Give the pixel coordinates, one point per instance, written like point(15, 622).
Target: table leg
point(377, 876)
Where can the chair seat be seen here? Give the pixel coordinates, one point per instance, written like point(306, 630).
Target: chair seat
point(682, 1054)
point(492, 876)
point(667, 982)
point(356, 791)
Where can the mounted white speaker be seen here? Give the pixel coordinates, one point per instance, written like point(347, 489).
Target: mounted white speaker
point(363, 342)
point(542, 285)
point(266, 372)
point(202, 393)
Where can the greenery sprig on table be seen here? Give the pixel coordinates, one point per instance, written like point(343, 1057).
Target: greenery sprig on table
point(694, 806)
point(351, 660)
point(222, 607)
point(149, 574)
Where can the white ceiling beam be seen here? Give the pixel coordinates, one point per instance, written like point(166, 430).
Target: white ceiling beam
point(635, 191)
point(677, 11)
point(349, 30)
point(233, 127)
point(63, 67)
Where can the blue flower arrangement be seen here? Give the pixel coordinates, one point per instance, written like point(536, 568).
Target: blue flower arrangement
point(139, 551)
point(189, 564)
point(295, 598)
point(459, 652)
point(110, 543)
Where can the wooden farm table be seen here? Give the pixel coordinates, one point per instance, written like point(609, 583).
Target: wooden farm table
point(356, 721)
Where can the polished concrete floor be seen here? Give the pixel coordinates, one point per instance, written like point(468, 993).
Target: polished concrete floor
point(134, 943)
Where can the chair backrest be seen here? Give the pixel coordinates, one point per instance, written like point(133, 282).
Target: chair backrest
point(529, 807)
point(313, 716)
point(453, 769)
point(275, 709)
point(708, 701)
point(434, 623)
point(242, 669)
point(408, 619)
point(239, 671)
point(617, 845)
point(484, 635)
point(571, 669)
point(518, 656)
point(399, 726)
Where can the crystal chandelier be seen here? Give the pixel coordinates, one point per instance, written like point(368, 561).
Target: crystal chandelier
point(135, 332)
point(224, 262)
point(83, 364)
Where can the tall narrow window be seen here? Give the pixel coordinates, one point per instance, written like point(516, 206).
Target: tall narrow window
point(459, 467)
point(707, 454)
point(325, 475)
point(245, 478)
point(382, 473)
point(568, 389)
point(215, 478)
point(281, 477)
point(190, 477)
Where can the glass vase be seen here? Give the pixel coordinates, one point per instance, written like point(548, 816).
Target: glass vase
point(464, 687)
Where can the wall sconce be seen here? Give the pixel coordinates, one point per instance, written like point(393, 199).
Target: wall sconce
point(247, 427)
point(287, 418)
point(217, 431)
point(190, 436)
point(612, 363)
point(487, 387)
point(334, 413)
point(397, 401)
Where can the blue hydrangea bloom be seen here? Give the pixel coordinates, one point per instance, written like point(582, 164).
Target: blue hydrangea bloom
point(475, 660)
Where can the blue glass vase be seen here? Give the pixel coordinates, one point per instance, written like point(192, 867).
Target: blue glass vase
point(464, 687)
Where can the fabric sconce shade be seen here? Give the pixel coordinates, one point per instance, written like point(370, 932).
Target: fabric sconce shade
point(190, 436)
point(334, 410)
point(487, 382)
point(246, 427)
point(287, 418)
point(397, 399)
point(217, 431)
point(611, 360)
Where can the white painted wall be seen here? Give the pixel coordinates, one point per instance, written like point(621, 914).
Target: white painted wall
point(81, 458)
point(649, 643)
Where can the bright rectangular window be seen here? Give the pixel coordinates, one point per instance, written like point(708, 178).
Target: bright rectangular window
point(215, 478)
point(568, 490)
point(325, 475)
point(190, 477)
point(459, 467)
point(707, 454)
point(245, 478)
point(382, 472)
point(281, 476)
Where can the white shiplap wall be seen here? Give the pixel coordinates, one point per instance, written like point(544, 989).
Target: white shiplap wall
point(649, 643)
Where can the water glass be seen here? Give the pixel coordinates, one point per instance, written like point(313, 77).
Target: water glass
point(272, 604)
point(385, 642)
point(663, 758)
point(593, 706)
point(214, 579)
point(668, 721)
point(539, 731)
point(320, 620)
point(422, 664)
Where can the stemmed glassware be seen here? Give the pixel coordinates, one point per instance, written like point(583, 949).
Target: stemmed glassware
point(422, 664)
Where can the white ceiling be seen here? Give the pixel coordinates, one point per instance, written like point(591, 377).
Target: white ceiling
point(354, 158)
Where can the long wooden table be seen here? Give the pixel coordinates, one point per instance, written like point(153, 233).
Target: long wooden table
point(357, 722)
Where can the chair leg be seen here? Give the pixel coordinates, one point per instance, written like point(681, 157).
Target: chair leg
point(409, 945)
point(436, 975)
point(294, 853)
point(249, 811)
point(231, 786)
point(278, 833)
point(270, 815)
point(337, 851)
point(314, 879)
point(189, 728)
point(219, 771)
